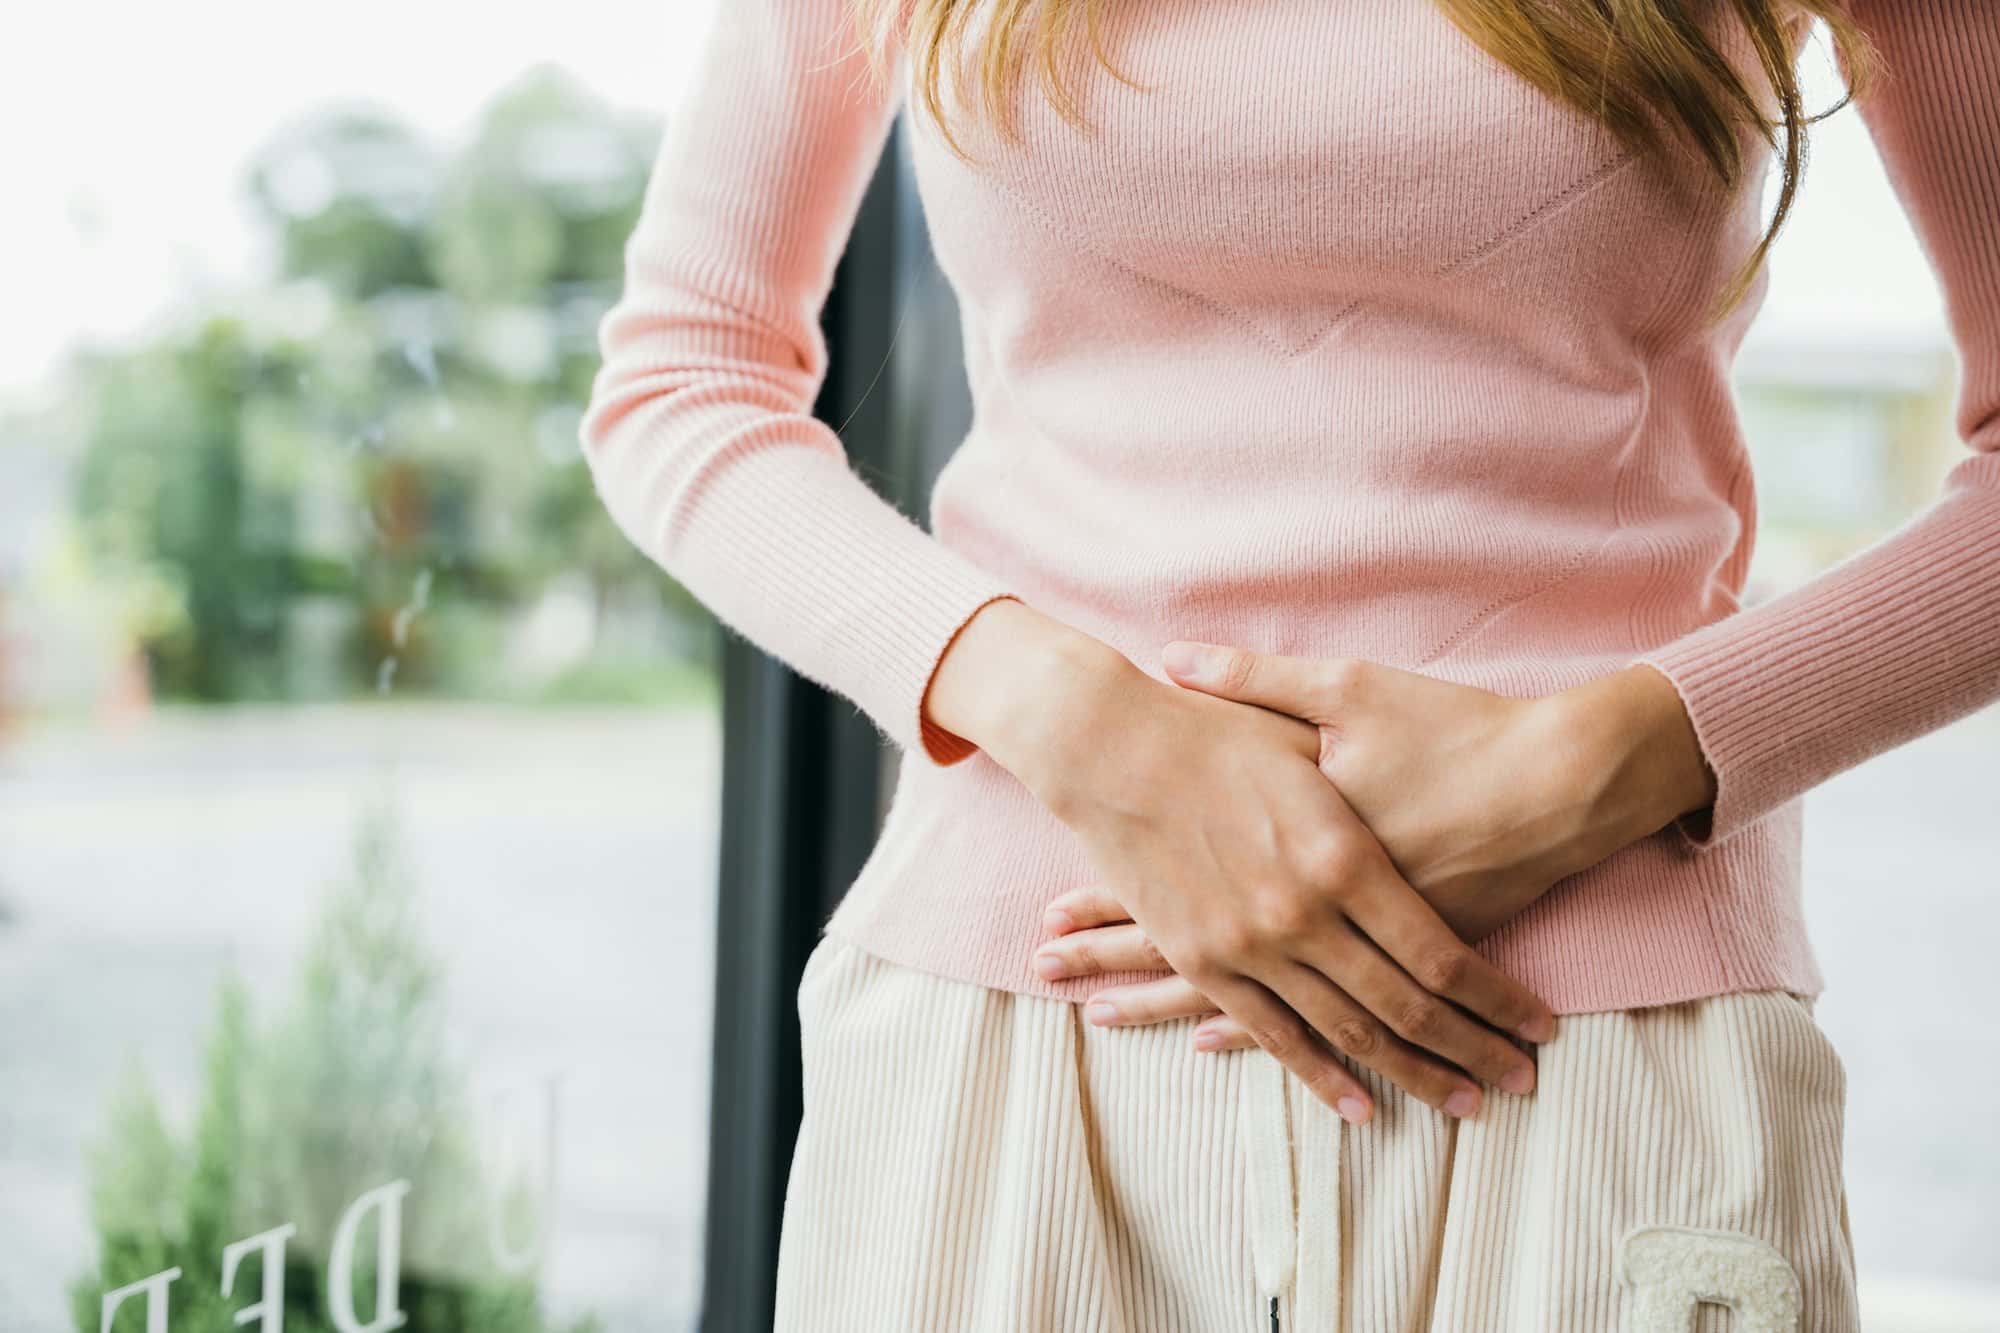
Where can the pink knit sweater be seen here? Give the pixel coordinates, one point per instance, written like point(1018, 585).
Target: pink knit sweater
point(1342, 340)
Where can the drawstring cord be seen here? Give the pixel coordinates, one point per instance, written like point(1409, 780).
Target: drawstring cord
point(1286, 1241)
point(1273, 1212)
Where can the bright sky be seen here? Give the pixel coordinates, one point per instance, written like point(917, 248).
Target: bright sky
point(130, 123)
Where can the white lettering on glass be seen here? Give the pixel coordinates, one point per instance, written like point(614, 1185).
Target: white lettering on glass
point(155, 1288)
point(270, 1306)
point(387, 1202)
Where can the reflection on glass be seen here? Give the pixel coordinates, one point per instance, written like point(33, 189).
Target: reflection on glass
point(345, 1117)
point(319, 545)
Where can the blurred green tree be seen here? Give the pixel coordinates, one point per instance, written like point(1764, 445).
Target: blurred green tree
point(349, 1090)
point(359, 473)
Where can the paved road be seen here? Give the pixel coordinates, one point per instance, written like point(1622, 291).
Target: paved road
point(566, 863)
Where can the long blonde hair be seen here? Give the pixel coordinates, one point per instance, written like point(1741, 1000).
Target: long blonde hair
point(1632, 64)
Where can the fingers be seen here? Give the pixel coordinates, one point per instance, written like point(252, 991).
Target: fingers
point(1085, 953)
point(1368, 978)
point(1427, 1022)
point(1363, 1038)
point(1411, 932)
point(1283, 1033)
point(1223, 1033)
point(1294, 685)
point(1145, 1002)
point(1080, 909)
point(1425, 1045)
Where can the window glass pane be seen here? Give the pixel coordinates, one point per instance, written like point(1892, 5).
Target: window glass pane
point(358, 779)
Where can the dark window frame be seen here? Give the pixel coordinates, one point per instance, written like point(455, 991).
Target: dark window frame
point(805, 778)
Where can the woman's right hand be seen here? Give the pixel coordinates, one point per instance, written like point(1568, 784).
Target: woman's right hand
point(1211, 821)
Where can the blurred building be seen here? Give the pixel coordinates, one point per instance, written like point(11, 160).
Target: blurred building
point(1849, 437)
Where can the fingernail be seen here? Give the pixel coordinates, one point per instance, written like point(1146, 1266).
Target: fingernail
point(1539, 1028)
point(1051, 966)
point(1520, 1079)
point(1352, 1109)
point(1185, 659)
point(1101, 1011)
point(1207, 1039)
point(1462, 1103)
point(1056, 921)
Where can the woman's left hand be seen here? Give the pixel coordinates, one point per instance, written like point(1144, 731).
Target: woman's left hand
point(1482, 801)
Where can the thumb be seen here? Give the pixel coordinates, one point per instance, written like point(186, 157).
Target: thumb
point(1270, 680)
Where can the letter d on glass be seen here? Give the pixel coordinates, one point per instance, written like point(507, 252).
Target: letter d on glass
point(388, 1199)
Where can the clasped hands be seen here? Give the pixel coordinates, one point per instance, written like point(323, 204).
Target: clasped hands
point(1310, 847)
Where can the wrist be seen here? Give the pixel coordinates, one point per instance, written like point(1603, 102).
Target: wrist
point(1019, 684)
point(1646, 764)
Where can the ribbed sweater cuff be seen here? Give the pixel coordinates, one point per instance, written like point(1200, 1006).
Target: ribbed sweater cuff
point(799, 555)
point(942, 747)
point(1892, 643)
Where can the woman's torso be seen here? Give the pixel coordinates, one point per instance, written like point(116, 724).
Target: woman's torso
point(1341, 340)
point(1381, 342)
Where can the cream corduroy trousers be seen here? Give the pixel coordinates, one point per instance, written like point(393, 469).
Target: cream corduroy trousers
point(974, 1159)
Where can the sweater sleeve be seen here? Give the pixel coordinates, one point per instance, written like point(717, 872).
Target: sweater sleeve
point(1902, 637)
point(699, 431)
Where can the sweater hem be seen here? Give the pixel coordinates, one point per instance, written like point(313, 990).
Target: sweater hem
point(956, 885)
